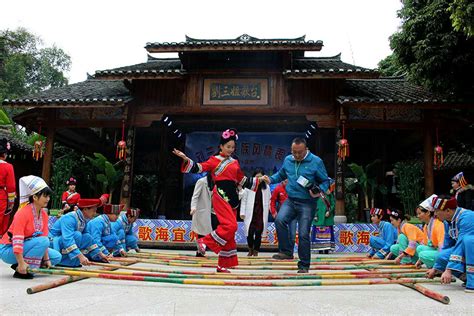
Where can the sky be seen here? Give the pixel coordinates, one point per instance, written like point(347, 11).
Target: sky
point(104, 34)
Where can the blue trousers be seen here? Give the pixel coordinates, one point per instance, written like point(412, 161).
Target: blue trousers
point(33, 251)
point(303, 211)
point(82, 240)
point(467, 253)
point(377, 243)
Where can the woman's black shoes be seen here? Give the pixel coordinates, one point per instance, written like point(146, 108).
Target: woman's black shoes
point(26, 276)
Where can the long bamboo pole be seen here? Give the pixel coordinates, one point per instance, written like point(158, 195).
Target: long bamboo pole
point(243, 262)
point(232, 283)
point(229, 276)
point(187, 272)
point(426, 292)
point(69, 279)
point(270, 267)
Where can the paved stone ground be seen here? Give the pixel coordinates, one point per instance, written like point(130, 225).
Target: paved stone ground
point(109, 297)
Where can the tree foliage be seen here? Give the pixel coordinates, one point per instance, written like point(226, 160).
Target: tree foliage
point(462, 16)
point(430, 50)
point(27, 67)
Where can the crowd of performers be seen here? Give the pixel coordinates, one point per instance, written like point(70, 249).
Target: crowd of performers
point(445, 245)
point(75, 239)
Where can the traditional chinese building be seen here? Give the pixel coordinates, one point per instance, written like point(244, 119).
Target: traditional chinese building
point(255, 85)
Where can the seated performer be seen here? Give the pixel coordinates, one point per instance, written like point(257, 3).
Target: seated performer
point(434, 234)
point(387, 235)
point(457, 255)
point(70, 197)
point(409, 237)
point(25, 244)
point(123, 228)
point(100, 229)
point(68, 237)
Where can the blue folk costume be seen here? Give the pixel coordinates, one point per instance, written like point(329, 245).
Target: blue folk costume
point(387, 237)
point(124, 231)
point(458, 247)
point(100, 229)
point(68, 237)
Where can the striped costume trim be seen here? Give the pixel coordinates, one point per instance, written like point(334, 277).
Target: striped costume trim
point(255, 184)
point(456, 258)
point(68, 249)
point(32, 262)
point(412, 244)
point(227, 254)
point(242, 182)
point(11, 197)
point(383, 252)
point(223, 165)
point(187, 166)
point(89, 249)
point(469, 269)
point(218, 239)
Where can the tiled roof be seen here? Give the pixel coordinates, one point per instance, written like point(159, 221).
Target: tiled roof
point(93, 93)
point(317, 67)
point(153, 68)
point(455, 160)
point(15, 144)
point(387, 91)
point(243, 42)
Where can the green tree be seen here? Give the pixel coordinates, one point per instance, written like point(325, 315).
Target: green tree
point(109, 175)
point(410, 184)
point(389, 67)
point(431, 51)
point(462, 16)
point(27, 67)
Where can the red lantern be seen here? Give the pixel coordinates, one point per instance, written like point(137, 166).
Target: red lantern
point(38, 150)
point(438, 157)
point(438, 153)
point(343, 145)
point(121, 152)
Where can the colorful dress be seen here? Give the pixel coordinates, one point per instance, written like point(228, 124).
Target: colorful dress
point(409, 237)
point(100, 229)
point(69, 238)
point(226, 174)
point(322, 233)
point(71, 198)
point(434, 233)
point(381, 244)
point(28, 236)
point(458, 246)
point(124, 231)
point(7, 194)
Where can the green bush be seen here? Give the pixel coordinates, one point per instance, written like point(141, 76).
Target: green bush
point(410, 184)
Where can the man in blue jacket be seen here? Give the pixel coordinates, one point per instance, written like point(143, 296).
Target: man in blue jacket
point(306, 176)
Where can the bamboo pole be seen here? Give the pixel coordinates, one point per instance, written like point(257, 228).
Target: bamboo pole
point(187, 272)
point(68, 279)
point(243, 262)
point(269, 267)
point(229, 276)
point(232, 283)
point(426, 292)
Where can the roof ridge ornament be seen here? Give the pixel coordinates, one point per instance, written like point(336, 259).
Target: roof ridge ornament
point(244, 37)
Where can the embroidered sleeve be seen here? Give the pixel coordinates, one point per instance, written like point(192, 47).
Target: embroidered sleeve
point(68, 228)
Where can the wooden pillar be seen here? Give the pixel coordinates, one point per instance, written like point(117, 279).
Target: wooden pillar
point(428, 160)
point(48, 154)
point(127, 181)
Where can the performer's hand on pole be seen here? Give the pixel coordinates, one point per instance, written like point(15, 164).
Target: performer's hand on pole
point(446, 277)
point(83, 260)
point(430, 274)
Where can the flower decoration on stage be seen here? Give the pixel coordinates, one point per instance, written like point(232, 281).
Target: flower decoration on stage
point(343, 145)
point(438, 153)
point(121, 152)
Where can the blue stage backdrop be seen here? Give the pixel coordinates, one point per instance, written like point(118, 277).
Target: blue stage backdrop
point(254, 150)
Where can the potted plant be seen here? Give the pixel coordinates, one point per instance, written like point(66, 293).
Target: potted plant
point(367, 183)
